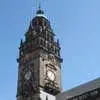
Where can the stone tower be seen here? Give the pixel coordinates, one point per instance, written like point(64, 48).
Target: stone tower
point(39, 70)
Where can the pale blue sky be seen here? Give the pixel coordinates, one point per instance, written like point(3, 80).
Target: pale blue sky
point(77, 25)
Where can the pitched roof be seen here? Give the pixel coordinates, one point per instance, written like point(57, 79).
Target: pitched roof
point(81, 89)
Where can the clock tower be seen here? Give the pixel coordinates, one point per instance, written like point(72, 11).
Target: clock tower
point(39, 70)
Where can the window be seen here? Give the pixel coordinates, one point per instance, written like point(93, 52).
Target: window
point(46, 97)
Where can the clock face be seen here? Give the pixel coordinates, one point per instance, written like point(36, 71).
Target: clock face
point(51, 75)
point(28, 75)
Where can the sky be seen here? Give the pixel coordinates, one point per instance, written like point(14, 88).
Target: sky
point(75, 22)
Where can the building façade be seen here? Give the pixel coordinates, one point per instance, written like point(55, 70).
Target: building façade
point(39, 69)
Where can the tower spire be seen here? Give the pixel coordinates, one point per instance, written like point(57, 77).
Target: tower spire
point(39, 10)
point(39, 5)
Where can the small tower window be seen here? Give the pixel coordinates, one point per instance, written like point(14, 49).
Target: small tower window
point(51, 38)
point(46, 97)
point(39, 98)
point(48, 37)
